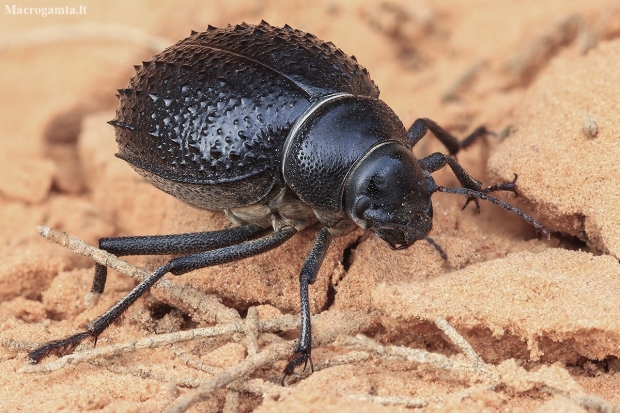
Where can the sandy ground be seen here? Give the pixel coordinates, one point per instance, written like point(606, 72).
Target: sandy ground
point(542, 316)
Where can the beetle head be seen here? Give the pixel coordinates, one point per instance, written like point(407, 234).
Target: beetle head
point(388, 192)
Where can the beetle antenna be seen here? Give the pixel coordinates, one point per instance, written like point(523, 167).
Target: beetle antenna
point(541, 232)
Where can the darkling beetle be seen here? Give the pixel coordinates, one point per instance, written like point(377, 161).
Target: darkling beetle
point(279, 130)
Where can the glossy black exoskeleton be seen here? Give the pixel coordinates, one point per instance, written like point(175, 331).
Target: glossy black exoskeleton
point(279, 130)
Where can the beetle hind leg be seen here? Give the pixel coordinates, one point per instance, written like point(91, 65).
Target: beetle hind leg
point(187, 243)
point(176, 266)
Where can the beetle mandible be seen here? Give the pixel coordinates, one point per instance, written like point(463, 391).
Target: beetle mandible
point(279, 130)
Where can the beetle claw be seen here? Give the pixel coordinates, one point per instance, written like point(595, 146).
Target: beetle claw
point(303, 358)
point(58, 347)
point(508, 186)
point(471, 198)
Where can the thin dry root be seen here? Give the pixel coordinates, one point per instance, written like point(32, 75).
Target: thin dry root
point(458, 340)
point(434, 360)
point(251, 331)
point(329, 325)
point(149, 342)
point(530, 60)
point(194, 362)
point(587, 401)
point(279, 324)
point(462, 82)
point(145, 372)
point(349, 358)
point(19, 345)
point(257, 387)
point(508, 374)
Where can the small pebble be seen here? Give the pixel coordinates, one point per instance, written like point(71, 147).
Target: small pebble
point(589, 127)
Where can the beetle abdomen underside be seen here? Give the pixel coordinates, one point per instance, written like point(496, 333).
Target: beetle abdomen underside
point(216, 107)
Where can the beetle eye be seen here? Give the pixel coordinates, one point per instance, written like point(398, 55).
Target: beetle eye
point(361, 205)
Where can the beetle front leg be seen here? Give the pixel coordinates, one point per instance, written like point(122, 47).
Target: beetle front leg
point(438, 160)
point(187, 243)
point(419, 128)
point(307, 276)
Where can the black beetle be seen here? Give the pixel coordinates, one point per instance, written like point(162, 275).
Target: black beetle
point(279, 130)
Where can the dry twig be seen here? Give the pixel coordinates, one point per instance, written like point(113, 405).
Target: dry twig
point(283, 323)
point(329, 325)
point(459, 341)
point(508, 373)
point(251, 331)
point(148, 342)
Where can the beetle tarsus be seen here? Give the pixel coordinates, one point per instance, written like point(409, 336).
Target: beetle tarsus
point(508, 186)
point(58, 347)
point(304, 358)
point(480, 131)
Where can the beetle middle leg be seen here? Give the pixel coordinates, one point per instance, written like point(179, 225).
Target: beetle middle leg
point(188, 243)
point(176, 266)
point(419, 128)
point(307, 276)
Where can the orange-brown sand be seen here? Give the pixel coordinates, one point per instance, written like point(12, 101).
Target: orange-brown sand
point(544, 75)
